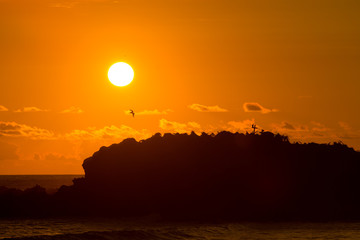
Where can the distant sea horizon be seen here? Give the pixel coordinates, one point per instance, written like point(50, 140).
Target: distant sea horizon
point(51, 182)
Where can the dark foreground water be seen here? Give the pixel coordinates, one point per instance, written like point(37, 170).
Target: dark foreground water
point(80, 228)
point(120, 229)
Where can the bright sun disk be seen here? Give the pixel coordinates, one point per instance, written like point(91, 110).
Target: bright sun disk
point(120, 74)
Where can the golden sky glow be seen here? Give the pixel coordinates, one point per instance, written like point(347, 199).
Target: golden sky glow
point(290, 66)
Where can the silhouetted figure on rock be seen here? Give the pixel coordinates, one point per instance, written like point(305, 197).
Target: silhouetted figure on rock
point(253, 126)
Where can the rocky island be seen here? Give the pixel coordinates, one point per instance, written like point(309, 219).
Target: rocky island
point(230, 176)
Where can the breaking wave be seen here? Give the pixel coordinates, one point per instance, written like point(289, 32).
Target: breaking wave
point(249, 231)
point(123, 234)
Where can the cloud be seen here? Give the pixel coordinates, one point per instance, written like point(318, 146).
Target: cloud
point(194, 125)
point(241, 126)
point(150, 112)
point(52, 163)
point(285, 127)
point(13, 129)
point(347, 132)
point(56, 158)
point(203, 108)
point(314, 131)
point(3, 109)
point(179, 127)
point(108, 132)
point(345, 126)
point(31, 109)
point(256, 107)
point(319, 127)
point(8, 151)
point(73, 109)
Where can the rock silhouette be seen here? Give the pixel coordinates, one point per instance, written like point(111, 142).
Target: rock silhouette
point(229, 176)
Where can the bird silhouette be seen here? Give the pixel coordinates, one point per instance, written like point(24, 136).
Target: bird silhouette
point(132, 112)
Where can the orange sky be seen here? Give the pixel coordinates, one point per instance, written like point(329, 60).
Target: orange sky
point(291, 66)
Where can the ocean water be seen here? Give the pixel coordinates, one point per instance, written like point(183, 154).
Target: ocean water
point(120, 229)
point(153, 228)
point(50, 182)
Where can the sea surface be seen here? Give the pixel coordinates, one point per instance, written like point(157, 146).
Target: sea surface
point(50, 182)
point(120, 229)
point(152, 227)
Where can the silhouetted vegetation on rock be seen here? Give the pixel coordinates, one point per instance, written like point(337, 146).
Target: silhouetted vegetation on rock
point(227, 176)
point(30, 202)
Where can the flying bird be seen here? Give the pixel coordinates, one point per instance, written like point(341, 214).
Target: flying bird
point(132, 112)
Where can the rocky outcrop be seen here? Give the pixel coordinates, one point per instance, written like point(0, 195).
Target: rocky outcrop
point(227, 175)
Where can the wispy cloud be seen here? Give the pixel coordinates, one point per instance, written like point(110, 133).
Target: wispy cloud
point(203, 108)
point(13, 129)
point(150, 112)
point(285, 127)
point(108, 132)
point(314, 131)
point(172, 126)
point(3, 109)
point(345, 126)
point(313, 128)
point(111, 133)
point(256, 107)
point(318, 127)
point(73, 109)
point(31, 109)
point(55, 158)
point(347, 132)
point(54, 162)
point(241, 126)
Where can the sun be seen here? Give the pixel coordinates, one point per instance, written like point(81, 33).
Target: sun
point(120, 74)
